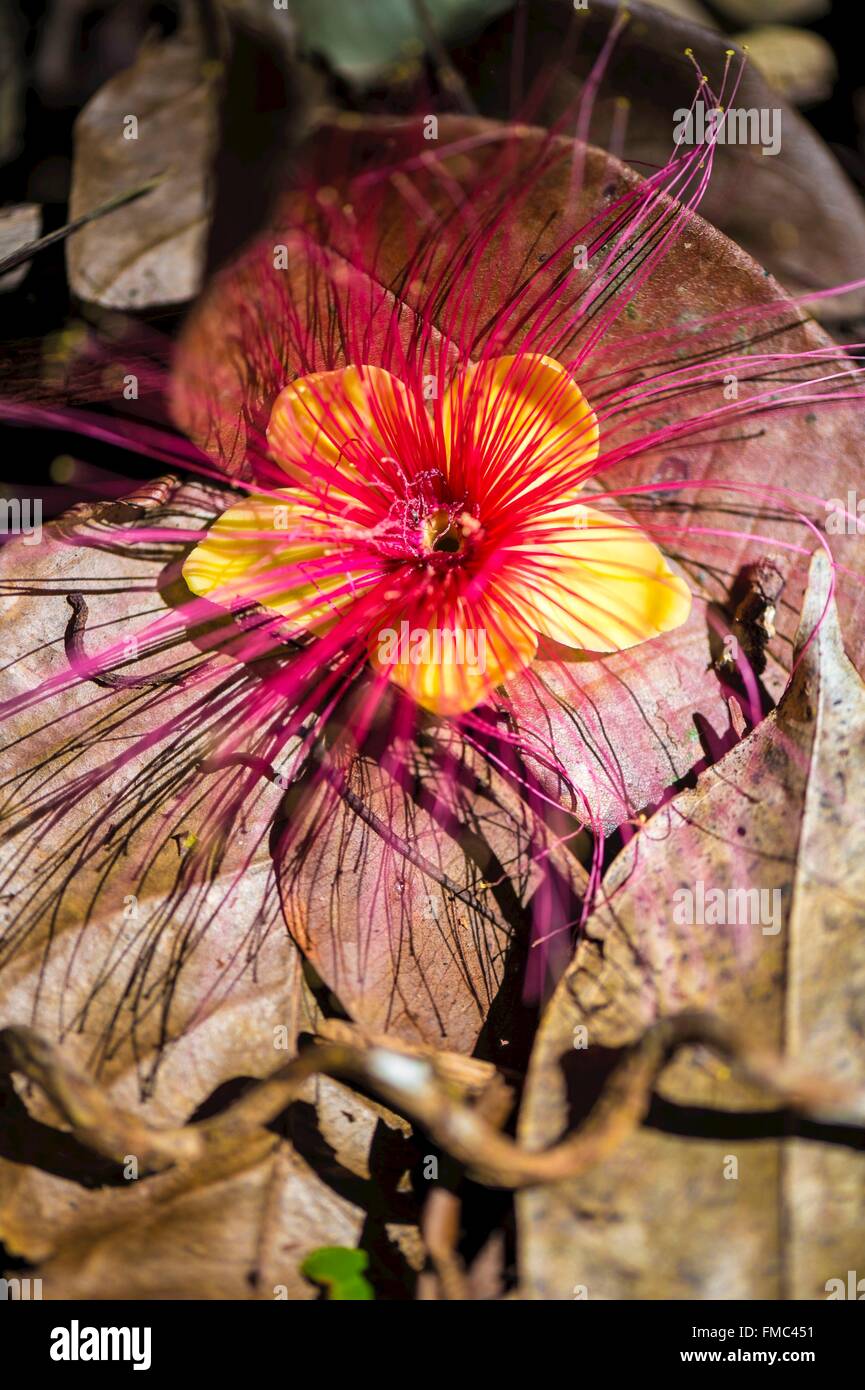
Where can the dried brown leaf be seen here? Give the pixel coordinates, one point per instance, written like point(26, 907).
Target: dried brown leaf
point(417, 910)
point(158, 118)
point(173, 992)
point(665, 1218)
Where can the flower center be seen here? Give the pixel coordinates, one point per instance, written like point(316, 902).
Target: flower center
point(436, 532)
point(441, 531)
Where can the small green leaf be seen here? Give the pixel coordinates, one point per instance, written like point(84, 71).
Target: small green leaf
point(339, 1270)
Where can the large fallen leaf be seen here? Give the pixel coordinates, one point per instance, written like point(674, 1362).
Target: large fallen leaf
point(716, 1198)
point(99, 929)
point(419, 911)
point(174, 989)
point(626, 728)
point(226, 1230)
point(157, 118)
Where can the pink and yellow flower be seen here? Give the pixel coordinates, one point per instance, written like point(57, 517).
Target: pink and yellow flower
point(460, 519)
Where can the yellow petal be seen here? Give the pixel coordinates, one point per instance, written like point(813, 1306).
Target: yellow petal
point(327, 428)
point(599, 585)
point(529, 419)
point(270, 550)
point(454, 658)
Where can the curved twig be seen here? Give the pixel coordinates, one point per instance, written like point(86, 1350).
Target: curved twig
point(73, 642)
point(414, 1087)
